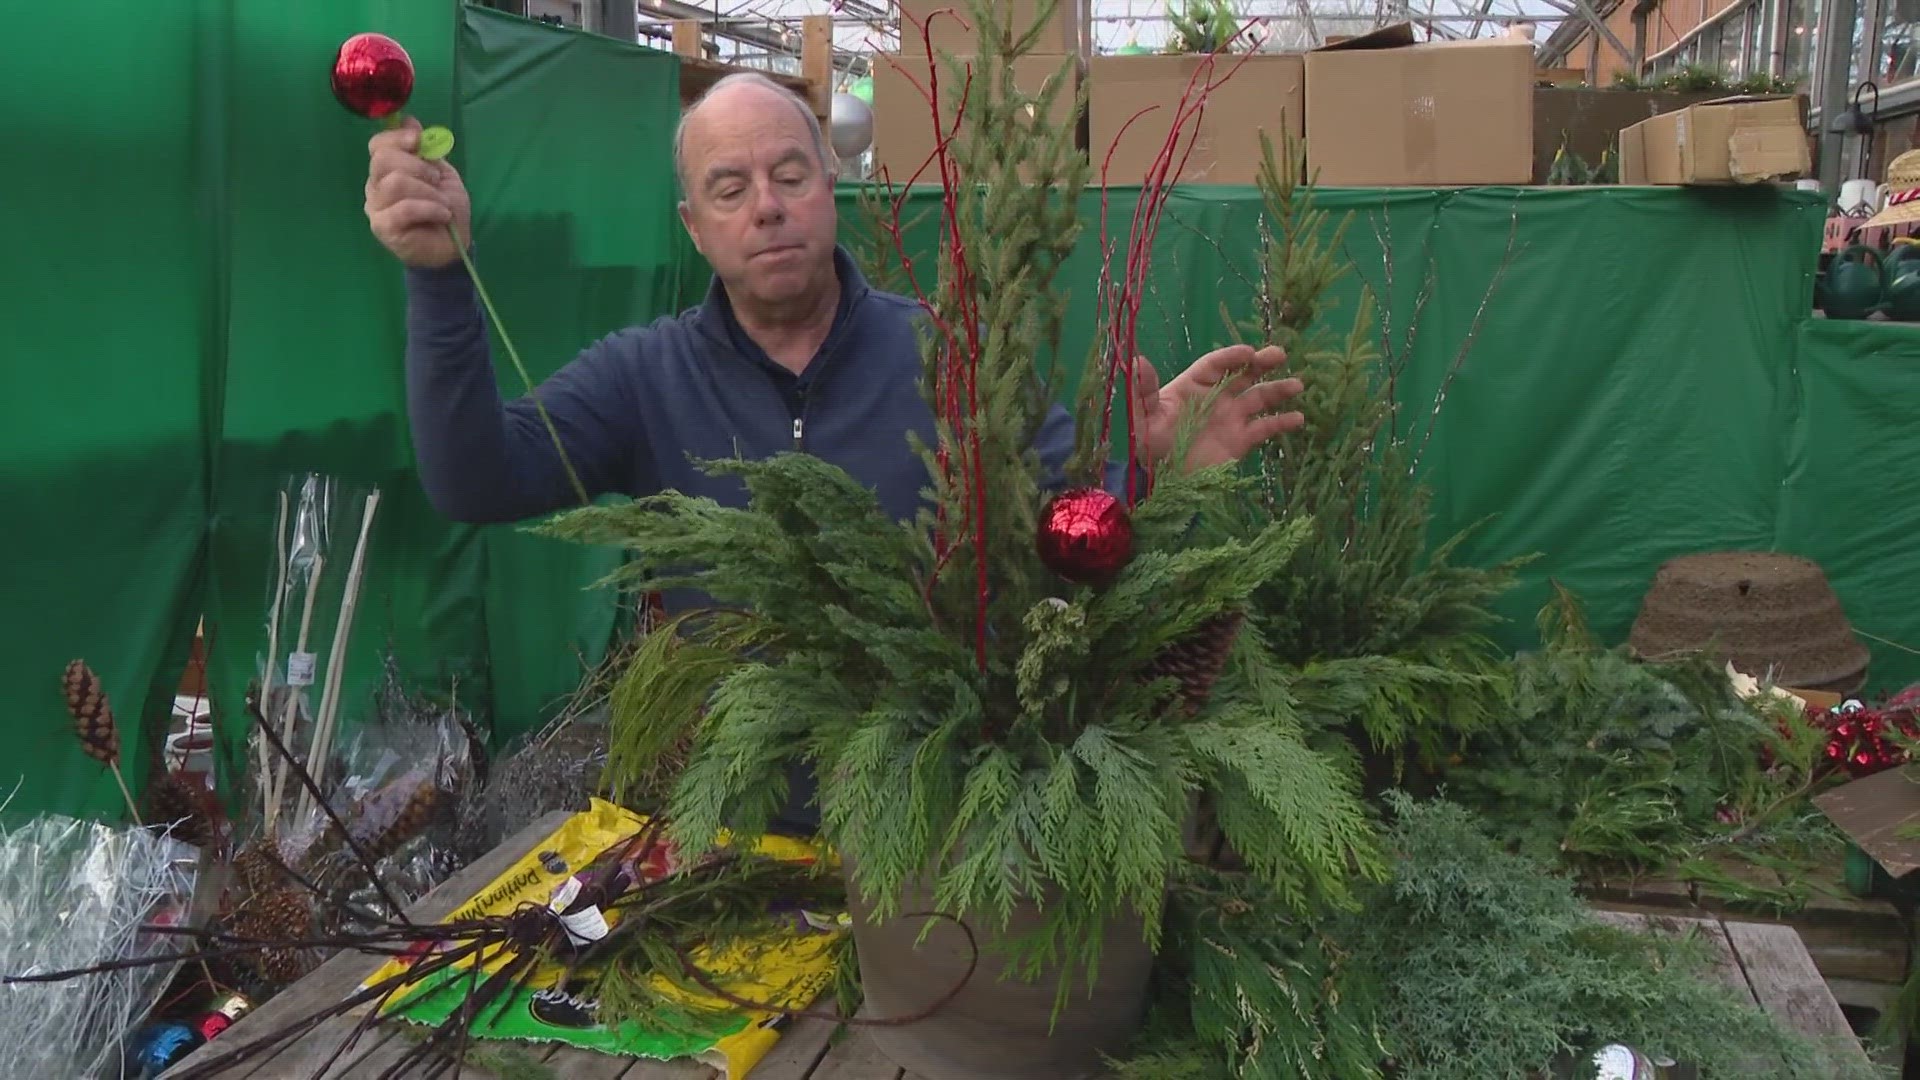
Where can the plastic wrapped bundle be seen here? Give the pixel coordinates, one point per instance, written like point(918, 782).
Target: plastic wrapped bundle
point(75, 894)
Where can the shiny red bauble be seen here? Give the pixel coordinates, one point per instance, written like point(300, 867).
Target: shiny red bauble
point(372, 76)
point(1085, 536)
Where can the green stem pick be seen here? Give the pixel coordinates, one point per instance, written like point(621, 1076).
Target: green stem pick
point(436, 142)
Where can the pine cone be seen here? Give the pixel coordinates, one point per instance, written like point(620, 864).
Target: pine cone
point(92, 715)
point(176, 806)
point(1198, 659)
point(258, 870)
point(395, 814)
point(280, 914)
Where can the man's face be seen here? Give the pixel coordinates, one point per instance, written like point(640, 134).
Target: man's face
point(759, 205)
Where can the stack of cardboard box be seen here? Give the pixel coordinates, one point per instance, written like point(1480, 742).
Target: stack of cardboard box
point(903, 120)
point(1375, 110)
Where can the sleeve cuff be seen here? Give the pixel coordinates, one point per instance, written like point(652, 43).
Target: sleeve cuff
point(450, 280)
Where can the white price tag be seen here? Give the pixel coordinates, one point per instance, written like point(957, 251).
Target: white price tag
point(300, 668)
point(585, 926)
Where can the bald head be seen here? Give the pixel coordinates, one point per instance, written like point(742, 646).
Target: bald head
point(756, 183)
point(744, 91)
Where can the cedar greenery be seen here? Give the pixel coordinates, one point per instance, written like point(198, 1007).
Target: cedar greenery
point(1386, 635)
point(1025, 755)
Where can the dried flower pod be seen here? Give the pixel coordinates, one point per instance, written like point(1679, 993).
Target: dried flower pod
point(92, 713)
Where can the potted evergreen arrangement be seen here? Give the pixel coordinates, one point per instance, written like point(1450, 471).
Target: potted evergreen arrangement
point(1010, 702)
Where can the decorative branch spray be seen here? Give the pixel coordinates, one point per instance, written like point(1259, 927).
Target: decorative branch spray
point(373, 79)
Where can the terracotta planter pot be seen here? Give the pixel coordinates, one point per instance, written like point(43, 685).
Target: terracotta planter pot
point(994, 1028)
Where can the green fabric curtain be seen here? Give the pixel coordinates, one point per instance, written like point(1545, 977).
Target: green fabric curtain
point(211, 317)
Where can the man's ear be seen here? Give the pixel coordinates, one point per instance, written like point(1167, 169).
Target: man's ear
point(686, 222)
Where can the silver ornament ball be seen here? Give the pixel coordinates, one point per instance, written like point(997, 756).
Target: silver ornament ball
point(852, 126)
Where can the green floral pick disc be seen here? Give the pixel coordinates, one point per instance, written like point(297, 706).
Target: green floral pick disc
point(436, 142)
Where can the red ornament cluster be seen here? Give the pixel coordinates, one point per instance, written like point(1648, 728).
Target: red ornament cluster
point(1085, 536)
point(1858, 738)
point(372, 76)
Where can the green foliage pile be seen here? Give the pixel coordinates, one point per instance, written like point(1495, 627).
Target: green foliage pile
point(1607, 762)
point(1034, 752)
point(1467, 961)
point(1698, 78)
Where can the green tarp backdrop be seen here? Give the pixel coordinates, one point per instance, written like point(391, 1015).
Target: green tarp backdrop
point(195, 313)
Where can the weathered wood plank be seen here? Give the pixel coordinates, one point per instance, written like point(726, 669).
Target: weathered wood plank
point(798, 1052)
point(328, 1048)
point(1786, 983)
point(855, 1058)
point(577, 1064)
point(1725, 967)
point(1768, 964)
point(340, 976)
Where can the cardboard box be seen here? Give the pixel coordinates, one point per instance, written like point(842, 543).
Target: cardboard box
point(903, 125)
point(1066, 33)
point(1384, 111)
point(1264, 92)
point(1735, 140)
point(1881, 814)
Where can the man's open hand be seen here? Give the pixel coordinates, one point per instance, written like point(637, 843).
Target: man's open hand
point(1241, 416)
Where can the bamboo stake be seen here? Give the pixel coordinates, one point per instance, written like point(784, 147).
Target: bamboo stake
point(322, 743)
point(287, 715)
point(273, 648)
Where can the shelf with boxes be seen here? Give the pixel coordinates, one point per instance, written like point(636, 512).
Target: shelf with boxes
point(1376, 110)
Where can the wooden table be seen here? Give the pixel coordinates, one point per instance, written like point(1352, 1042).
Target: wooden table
point(1766, 962)
point(1860, 946)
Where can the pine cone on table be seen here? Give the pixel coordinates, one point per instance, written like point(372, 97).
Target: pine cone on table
point(1198, 659)
point(176, 806)
point(282, 913)
point(92, 713)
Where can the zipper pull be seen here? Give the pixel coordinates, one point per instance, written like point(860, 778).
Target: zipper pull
point(799, 426)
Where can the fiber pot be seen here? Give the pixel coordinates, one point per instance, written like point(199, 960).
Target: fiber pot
point(995, 1027)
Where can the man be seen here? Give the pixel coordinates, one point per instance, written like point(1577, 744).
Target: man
point(791, 350)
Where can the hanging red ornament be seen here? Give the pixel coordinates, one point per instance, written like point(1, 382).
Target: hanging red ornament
point(372, 76)
point(1085, 536)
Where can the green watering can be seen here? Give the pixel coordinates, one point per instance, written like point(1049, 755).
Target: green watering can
point(1856, 283)
point(1903, 283)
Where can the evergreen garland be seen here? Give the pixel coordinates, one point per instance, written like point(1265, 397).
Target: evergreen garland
point(973, 718)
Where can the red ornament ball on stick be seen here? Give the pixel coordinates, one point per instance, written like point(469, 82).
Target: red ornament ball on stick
point(1085, 536)
point(372, 76)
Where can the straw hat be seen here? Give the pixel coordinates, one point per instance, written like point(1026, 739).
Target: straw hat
point(1903, 192)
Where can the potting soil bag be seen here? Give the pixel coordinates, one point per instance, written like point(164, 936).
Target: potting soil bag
point(790, 965)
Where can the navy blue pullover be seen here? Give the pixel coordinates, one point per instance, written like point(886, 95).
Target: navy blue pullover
point(640, 408)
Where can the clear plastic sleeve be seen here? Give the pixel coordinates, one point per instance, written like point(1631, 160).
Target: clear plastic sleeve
point(76, 894)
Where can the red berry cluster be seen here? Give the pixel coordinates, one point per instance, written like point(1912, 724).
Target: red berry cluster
point(1859, 739)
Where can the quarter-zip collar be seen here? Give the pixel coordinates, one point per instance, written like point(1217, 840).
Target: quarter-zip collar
point(716, 320)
